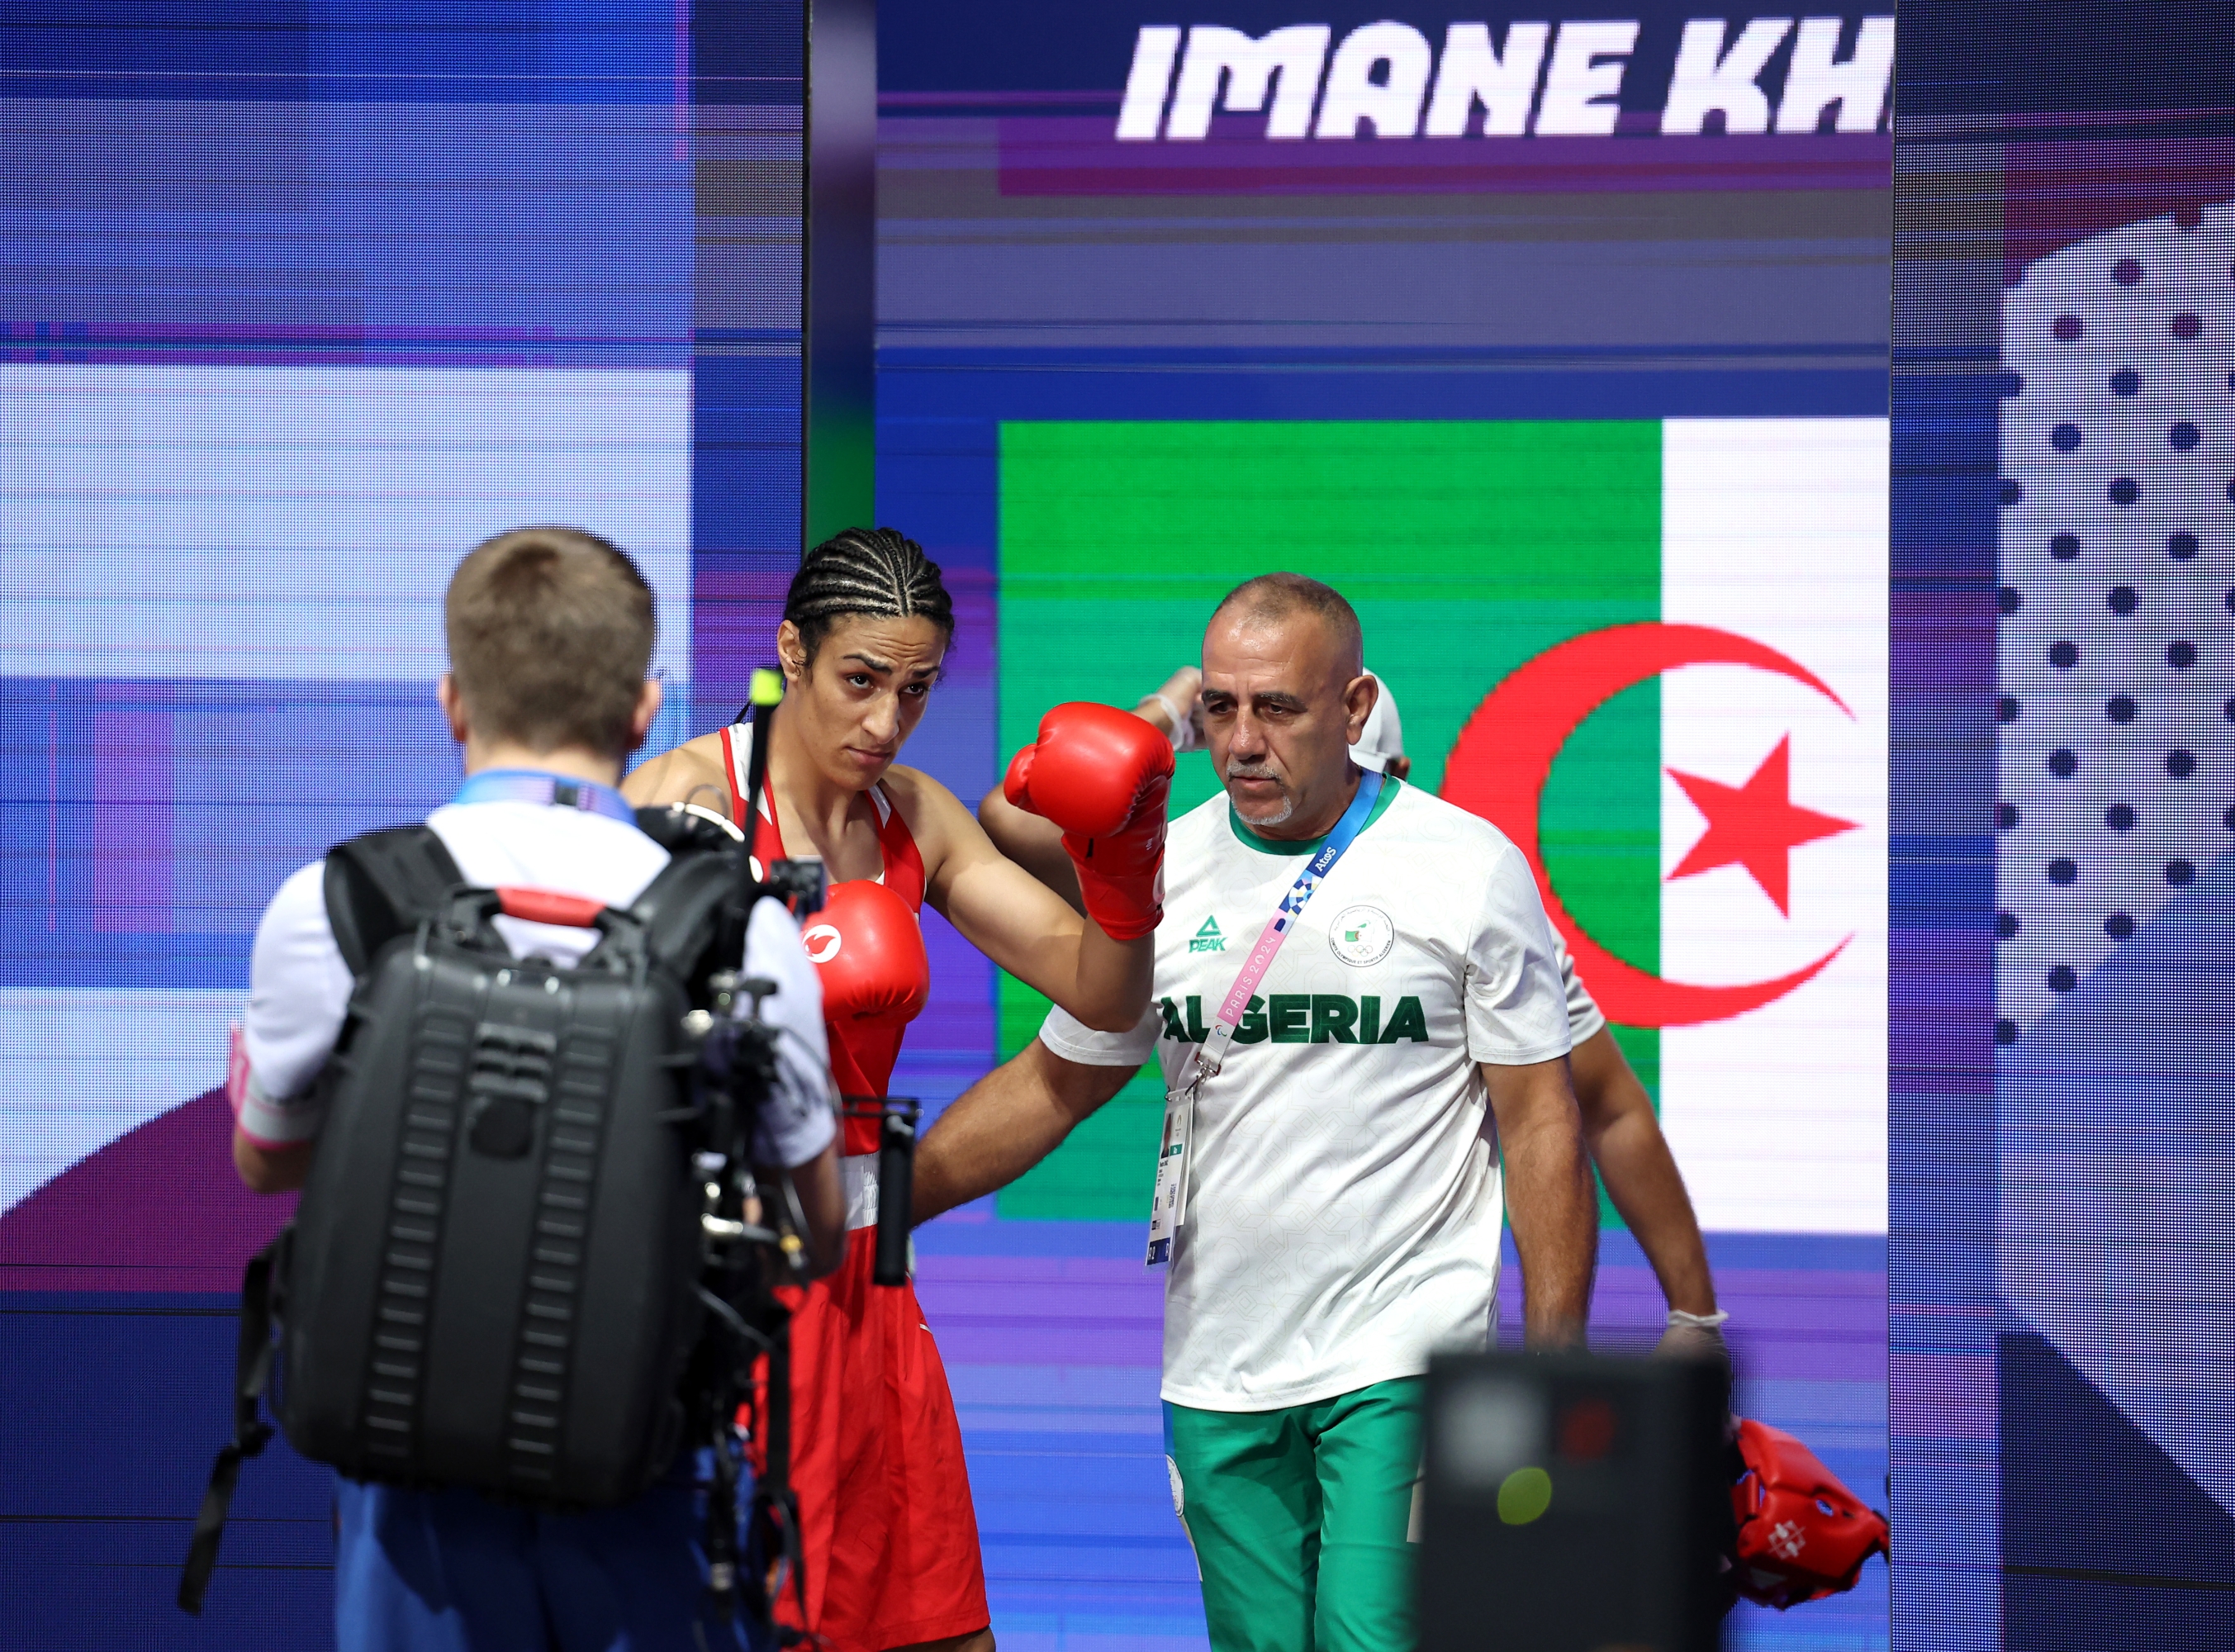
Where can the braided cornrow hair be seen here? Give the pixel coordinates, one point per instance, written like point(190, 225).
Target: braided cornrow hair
point(877, 572)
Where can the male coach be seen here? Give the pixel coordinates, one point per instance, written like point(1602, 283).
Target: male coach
point(1341, 1190)
point(1627, 1147)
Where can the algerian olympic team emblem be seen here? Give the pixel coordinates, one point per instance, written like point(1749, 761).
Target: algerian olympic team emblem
point(823, 943)
point(1362, 935)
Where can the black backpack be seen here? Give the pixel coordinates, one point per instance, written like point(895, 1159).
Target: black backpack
point(492, 1278)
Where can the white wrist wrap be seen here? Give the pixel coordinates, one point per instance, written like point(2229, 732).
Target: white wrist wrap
point(1183, 727)
point(1702, 1321)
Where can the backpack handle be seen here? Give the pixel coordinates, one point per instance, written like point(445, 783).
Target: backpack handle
point(621, 943)
point(549, 906)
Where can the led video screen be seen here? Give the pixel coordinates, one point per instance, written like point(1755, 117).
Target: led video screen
point(2063, 767)
point(301, 302)
point(1559, 344)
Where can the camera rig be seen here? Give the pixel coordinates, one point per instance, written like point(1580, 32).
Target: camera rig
point(755, 1234)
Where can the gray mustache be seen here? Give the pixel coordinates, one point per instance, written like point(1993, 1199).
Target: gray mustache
point(1239, 772)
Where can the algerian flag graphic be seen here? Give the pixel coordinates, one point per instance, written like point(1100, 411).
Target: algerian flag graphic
point(1653, 651)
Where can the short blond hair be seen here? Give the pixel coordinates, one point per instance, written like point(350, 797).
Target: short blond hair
point(550, 632)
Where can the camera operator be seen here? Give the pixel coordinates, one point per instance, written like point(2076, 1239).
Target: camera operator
point(550, 633)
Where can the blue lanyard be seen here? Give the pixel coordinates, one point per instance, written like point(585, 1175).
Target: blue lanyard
point(1169, 1201)
point(1254, 967)
point(1344, 835)
point(536, 786)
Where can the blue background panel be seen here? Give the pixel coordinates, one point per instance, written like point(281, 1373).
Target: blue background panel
point(586, 188)
point(2059, 1209)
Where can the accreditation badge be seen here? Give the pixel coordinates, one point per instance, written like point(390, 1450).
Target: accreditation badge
point(1172, 1158)
point(1170, 1196)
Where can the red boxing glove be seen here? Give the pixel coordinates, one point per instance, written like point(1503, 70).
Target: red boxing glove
point(1104, 775)
point(868, 947)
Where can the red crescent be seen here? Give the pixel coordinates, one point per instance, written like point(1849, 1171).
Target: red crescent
point(1504, 756)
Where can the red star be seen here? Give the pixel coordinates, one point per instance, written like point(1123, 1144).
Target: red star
point(1755, 825)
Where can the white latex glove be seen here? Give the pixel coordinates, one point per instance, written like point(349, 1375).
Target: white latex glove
point(1695, 1336)
point(1177, 708)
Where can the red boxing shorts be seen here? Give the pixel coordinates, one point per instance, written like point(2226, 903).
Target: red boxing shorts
point(886, 1523)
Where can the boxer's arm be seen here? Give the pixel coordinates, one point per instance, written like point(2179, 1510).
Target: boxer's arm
point(1013, 919)
point(691, 773)
point(1640, 1174)
point(1033, 843)
point(1548, 1196)
point(822, 1193)
point(1006, 1123)
point(796, 1126)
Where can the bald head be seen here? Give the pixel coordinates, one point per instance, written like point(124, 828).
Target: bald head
point(1278, 596)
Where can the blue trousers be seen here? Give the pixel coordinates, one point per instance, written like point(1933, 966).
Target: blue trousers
point(451, 1572)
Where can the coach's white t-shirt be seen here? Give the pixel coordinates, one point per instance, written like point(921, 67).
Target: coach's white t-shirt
point(1344, 1206)
point(1584, 1016)
point(299, 986)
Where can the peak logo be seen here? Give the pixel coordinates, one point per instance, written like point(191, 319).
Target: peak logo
point(1541, 79)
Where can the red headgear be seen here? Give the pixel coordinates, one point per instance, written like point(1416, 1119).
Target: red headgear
point(1802, 1535)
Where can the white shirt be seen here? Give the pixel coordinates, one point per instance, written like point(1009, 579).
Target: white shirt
point(1585, 1018)
point(299, 986)
point(1344, 1206)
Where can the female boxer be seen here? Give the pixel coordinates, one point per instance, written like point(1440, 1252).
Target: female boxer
point(886, 1521)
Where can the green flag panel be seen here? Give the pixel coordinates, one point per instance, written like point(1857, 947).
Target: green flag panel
point(1466, 547)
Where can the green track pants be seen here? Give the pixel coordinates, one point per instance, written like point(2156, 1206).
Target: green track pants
point(1298, 1519)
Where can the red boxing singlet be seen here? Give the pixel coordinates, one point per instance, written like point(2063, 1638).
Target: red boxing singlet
point(874, 1437)
point(862, 1048)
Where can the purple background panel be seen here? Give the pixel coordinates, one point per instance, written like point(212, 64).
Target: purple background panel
point(1051, 1331)
point(157, 1210)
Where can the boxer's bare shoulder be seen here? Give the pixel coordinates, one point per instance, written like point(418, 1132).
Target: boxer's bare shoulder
point(935, 816)
point(691, 773)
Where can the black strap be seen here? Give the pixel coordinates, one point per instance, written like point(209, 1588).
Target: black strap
point(252, 1369)
point(897, 1118)
point(682, 908)
point(385, 884)
point(776, 1541)
point(682, 830)
point(777, 1503)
